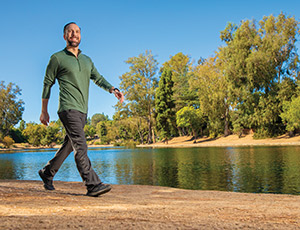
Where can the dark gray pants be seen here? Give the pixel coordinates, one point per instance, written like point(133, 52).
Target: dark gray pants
point(74, 122)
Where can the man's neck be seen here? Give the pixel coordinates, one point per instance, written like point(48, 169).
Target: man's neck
point(73, 50)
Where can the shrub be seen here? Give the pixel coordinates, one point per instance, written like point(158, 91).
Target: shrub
point(8, 141)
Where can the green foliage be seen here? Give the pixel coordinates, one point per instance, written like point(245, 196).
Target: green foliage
point(164, 105)
point(129, 144)
point(10, 106)
point(35, 133)
point(213, 92)
point(189, 117)
point(38, 134)
point(180, 66)
point(17, 135)
point(101, 131)
point(96, 118)
point(22, 125)
point(53, 134)
point(112, 132)
point(139, 86)
point(261, 64)
point(249, 79)
point(291, 114)
point(8, 141)
point(89, 131)
point(261, 133)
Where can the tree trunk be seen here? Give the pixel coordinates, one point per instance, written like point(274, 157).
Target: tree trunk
point(141, 136)
point(153, 136)
point(291, 133)
point(195, 135)
point(149, 132)
point(180, 132)
point(226, 128)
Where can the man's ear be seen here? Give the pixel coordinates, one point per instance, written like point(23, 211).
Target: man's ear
point(65, 37)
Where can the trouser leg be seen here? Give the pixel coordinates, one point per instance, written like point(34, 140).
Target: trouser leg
point(54, 164)
point(74, 122)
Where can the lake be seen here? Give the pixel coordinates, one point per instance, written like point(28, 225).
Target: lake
point(239, 169)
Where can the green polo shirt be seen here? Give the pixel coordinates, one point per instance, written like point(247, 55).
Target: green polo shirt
point(73, 75)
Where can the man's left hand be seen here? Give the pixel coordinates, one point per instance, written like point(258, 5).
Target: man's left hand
point(119, 95)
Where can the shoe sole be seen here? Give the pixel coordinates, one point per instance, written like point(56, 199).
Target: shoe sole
point(100, 192)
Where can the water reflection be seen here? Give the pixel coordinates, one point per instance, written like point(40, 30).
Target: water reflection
point(247, 169)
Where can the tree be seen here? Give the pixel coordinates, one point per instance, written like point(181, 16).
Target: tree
point(16, 133)
point(164, 105)
point(101, 130)
point(8, 141)
point(96, 118)
point(131, 127)
point(291, 114)
point(112, 132)
point(190, 117)
point(180, 66)
point(11, 108)
point(22, 125)
point(257, 59)
point(89, 131)
point(35, 133)
point(213, 93)
point(139, 86)
point(53, 134)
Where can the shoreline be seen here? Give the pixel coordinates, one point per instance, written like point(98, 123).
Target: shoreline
point(229, 141)
point(187, 142)
point(23, 205)
point(22, 147)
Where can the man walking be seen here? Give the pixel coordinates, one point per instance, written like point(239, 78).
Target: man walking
point(73, 71)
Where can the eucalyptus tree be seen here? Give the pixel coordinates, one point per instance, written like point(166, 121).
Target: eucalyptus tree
point(212, 89)
point(11, 107)
point(138, 85)
point(181, 66)
point(97, 117)
point(258, 61)
point(190, 118)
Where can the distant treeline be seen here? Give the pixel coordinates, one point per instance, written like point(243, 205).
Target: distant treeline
point(250, 83)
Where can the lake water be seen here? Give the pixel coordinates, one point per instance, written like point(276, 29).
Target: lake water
point(240, 169)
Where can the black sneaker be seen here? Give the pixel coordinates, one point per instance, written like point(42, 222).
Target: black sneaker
point(47, 183)
point(98, 190)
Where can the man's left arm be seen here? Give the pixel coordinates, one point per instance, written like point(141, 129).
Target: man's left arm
point(104, 84)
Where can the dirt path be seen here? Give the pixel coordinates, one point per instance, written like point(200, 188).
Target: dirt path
point(26, 205)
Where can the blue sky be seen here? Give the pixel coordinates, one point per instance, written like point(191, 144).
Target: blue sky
point(113, 31)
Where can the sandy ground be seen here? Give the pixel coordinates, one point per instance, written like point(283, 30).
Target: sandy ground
point(26, 205)
point(187, 141)
point(231, 140)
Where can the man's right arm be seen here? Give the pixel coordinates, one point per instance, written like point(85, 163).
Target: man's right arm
point(49, 80)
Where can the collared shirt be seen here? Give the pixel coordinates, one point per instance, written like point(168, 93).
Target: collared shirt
point(73, 75)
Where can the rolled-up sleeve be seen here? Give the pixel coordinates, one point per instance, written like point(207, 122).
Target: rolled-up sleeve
point(50, 76)
point(99, 79)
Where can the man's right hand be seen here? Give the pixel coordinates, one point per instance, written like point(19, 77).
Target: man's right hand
point(44, 118)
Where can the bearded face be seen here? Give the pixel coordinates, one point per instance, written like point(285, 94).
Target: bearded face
point(72, 35)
